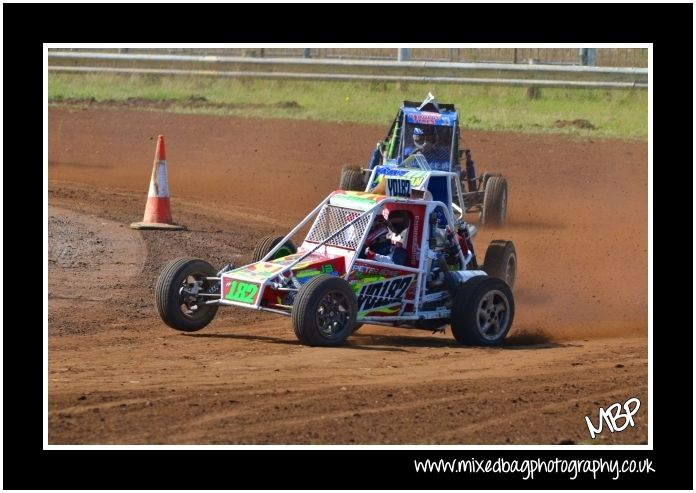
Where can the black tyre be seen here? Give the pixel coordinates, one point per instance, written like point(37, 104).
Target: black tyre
point(495, 200)
point(267, 244)
point(324, 311)
point(501, 261)
point(485, 177)
point(175, 294)
point(482, 312)
point(352, 179)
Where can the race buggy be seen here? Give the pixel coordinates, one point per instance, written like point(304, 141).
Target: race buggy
point(486, 195)
point(330, 289)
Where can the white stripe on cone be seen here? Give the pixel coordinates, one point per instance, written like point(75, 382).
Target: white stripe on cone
point(159, 183)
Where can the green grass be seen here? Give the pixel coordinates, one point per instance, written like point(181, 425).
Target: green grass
point(614, 113)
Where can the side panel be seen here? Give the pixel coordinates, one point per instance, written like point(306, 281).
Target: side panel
point(332, 265)
point(381, 291)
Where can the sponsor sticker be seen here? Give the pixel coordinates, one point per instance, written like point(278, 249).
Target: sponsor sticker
point(383, 293)
point(428, 118)
point(416, 177)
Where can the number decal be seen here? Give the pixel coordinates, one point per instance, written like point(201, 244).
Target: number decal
point(243, 292)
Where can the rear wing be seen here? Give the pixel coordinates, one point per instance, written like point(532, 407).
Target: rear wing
point(442, 106)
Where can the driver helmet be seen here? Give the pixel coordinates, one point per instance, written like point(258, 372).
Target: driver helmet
point(423, 135)
point(378, 233)
point(398, 221)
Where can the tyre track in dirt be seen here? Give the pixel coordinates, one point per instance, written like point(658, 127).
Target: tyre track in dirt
point(112, 254)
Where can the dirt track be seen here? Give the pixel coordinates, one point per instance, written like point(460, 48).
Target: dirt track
point(578, 216)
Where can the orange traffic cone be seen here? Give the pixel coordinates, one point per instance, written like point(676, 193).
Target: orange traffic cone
point(158, 215)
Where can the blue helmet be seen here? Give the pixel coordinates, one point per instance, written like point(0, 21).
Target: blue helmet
point(423, 135)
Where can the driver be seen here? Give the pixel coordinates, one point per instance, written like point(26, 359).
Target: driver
point(425, 143)
point(386, 240)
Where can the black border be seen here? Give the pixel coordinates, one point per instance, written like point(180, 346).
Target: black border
point(669, 27)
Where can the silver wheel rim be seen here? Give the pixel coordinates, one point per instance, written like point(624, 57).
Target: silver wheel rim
point(188, 302)
point(493, 315)
point(333, 314)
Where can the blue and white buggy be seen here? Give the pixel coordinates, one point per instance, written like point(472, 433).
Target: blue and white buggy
point(486, 195)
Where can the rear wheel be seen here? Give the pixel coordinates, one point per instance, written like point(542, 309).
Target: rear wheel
point(177, 294)
point(501, 261)
point(352, 179)
point(324, 311)
point(495, 200)
point(268, 243)
point(482, 312)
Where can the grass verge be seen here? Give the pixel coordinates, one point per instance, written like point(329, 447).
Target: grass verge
point(612, 113)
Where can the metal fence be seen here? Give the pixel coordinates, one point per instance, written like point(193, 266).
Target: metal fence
point(605, 57)
point(307, 68)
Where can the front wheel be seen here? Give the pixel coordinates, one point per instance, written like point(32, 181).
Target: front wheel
point(178, 294)
point(495, 198)
point(324, 311)
point(501, 261)
point(482, 312)
point(352, 179)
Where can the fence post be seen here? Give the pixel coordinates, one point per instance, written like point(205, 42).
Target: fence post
point(592, 57)
point(588, 56)
point(402, 55)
